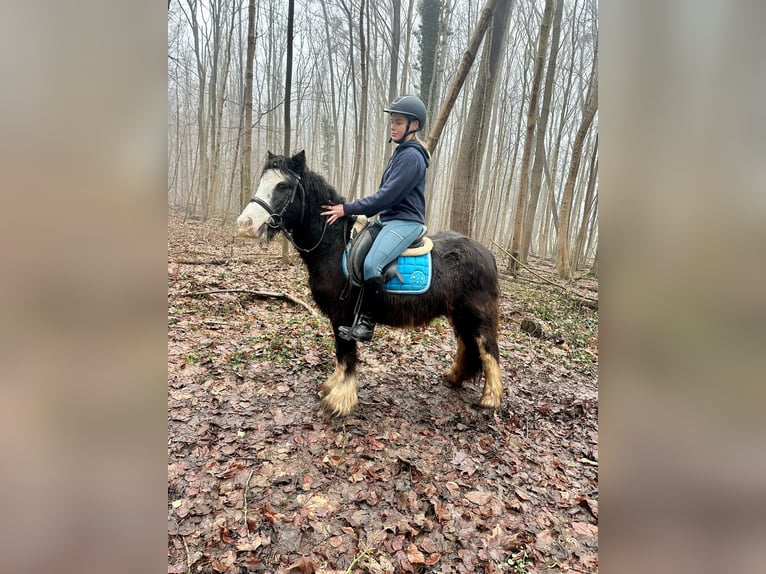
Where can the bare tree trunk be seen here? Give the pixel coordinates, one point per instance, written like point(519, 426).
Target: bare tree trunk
point(396, 38)
point(335, 176)
point(521, 199)
point(288, 77)
point(542, 128)
point(457, 83)
point(430, 20)
point(468, 166)
point(222, 82)
point(406, 59)
point(202, 127)
point(578, 254)
point(247, 104)
point(288, 99)
point(593, 228)
point(364, 61)
point(594, 267)
point(562, 246)
point(353, 192)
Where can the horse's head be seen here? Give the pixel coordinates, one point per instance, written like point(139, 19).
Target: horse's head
point(278, 198)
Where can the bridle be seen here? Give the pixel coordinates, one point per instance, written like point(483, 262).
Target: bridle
point(276, 218)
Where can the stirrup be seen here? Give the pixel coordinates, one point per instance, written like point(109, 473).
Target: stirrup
point(361, 331)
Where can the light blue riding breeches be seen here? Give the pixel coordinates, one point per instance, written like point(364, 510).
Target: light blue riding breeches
point(393, 239)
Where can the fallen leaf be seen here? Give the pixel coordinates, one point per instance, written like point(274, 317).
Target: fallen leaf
point(479, 497)
point(432, 559)
point(249, 545)
point(225, 563)
point(585, 528)
point(303, 565)
point(453, 488)
point(523, 495)
point(225, 535)
point(590, 504)
point(414, 555)
point(544, 541)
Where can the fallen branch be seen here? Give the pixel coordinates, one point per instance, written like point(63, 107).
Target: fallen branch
point(245, 509)
point(218, 261)
point(257, 294)
point(587, 301)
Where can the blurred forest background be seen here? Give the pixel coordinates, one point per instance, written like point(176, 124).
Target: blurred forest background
point(512, 87)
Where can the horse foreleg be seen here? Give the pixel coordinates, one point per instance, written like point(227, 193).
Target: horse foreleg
point(339, 391)
point(492, 396)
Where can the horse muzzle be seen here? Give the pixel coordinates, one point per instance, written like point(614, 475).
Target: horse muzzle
point(247, 228)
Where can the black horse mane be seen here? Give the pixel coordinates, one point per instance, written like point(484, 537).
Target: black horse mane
point(320, 188)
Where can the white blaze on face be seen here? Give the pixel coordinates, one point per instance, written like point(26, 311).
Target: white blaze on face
point(252, 220)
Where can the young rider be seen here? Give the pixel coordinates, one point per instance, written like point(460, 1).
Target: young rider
point(400, 201)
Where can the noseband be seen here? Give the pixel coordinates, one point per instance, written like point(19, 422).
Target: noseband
point(275, 220)
point(275, 217)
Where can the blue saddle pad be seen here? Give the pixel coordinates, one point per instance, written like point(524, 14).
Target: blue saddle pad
point(412, 277)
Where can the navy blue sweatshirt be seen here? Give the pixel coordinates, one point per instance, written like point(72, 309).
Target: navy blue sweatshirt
point(402, 188)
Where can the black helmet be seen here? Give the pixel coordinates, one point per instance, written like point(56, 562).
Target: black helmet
point(410, 106)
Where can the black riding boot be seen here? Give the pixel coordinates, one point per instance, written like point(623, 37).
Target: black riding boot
point(364, 325)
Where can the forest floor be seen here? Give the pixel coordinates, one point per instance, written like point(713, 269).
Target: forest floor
point(416, 478)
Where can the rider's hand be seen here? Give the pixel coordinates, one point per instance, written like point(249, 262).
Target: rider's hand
point(334, 212)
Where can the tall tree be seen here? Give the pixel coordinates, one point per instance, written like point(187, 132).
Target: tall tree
point(562, 245)
point(462, 73)
point(474, 138)
point(578, 253)
point(396, 38)
point(430, 16)
point(288, 99)
point(289, 75)
point(360, 118)
point(535, 183)
point(247, 105)
point(407, 39)
point(529, 137)
point(333, 128)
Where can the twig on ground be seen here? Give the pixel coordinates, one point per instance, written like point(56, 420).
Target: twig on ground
point(258, 294)
point(356, 560)
point(244, 508)
point(188, 556)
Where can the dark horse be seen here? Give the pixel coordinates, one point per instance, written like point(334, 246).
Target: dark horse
point(464, 287)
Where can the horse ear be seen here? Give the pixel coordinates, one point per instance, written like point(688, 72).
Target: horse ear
point(299, 161)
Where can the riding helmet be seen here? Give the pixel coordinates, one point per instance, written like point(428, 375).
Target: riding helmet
point(410, 106)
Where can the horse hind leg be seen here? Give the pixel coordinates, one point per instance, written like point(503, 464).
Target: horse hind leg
point(456, 375)
point(492, 395)
point(467, 363)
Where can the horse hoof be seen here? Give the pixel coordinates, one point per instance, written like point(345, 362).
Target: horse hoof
point(334, 411)
point(490, 403)
point(452, 382)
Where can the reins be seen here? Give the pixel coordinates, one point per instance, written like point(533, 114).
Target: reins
point(276, 218)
